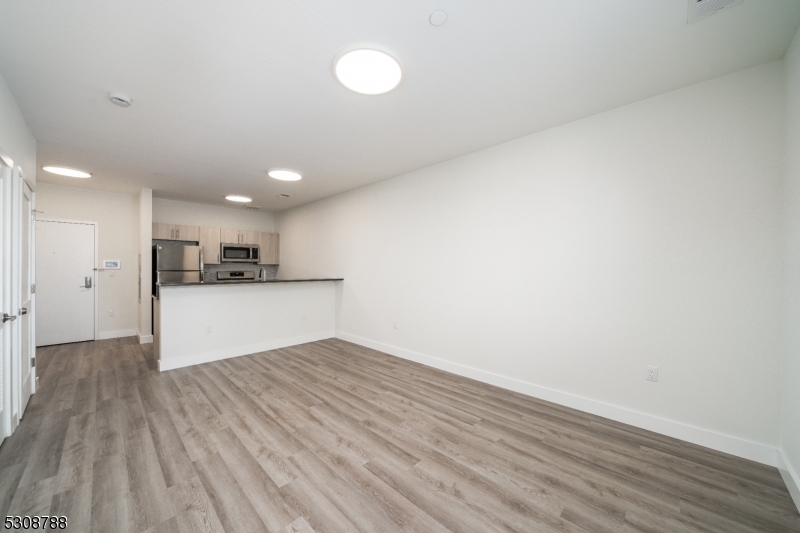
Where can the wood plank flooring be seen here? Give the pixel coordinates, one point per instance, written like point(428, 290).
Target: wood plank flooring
point(333, 437)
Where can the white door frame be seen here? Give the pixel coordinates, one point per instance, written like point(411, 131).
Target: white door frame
point(95, 268)
point(32, 281)
point(6, 164)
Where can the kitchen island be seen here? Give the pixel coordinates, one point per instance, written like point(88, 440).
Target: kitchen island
point(196, 323)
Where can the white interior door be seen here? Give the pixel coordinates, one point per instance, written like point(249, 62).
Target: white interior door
point(65, 288)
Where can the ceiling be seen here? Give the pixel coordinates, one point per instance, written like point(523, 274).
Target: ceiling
point(223, 92)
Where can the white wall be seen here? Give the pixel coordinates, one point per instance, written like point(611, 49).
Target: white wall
point(145, 332)
point(790, 434)
point(572, 258)
point(16, 139)
point(191, 214)
point(118, 234)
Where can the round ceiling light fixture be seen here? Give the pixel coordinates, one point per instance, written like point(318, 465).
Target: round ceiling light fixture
point(284, 175)
point(237, 198)
point(368, 71)
point(69, 172)
point(122, 100)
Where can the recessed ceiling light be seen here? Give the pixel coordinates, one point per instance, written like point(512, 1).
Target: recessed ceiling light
point(69, 172)
point(438, 18)
point(285, 175)
point(236, 198)
point(368, 71)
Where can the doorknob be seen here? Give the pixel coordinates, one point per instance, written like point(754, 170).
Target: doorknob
point(7, 317)
point(87, 283)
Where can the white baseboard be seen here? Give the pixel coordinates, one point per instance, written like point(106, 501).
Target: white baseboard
point(227, 353)
point(790, 477)
point(746, 449)
point(116, 334)
point(144, 339)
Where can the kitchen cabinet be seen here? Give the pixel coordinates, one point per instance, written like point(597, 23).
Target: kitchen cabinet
point(238, 236)
point(269, 244)
point(175, 232)
point(228, 235)
point(248, 237)
point(163, 231)
point(210, 240)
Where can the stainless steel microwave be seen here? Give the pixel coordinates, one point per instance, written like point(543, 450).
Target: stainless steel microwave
point(238, 253)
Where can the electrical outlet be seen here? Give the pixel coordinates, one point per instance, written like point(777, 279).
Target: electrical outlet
point(208, 330)
point(304, 317)
point(652, 373)
point(111, 313)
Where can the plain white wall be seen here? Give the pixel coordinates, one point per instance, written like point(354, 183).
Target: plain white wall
point(191, 214)
point(145, 331)
point(117, 215)
point(790, 434)
point(572, 258)
point(16, 139)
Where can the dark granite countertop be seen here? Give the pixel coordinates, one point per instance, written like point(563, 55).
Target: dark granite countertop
point(245, 282)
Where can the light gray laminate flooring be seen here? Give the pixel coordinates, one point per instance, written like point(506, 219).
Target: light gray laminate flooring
point(330, 436)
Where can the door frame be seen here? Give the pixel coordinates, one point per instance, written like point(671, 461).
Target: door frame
point(95, 269)
point(6, 172)
point(32, 282)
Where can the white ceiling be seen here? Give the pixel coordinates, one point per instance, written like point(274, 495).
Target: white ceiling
point(225, 91)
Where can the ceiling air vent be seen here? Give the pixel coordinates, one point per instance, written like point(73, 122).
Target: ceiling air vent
point(251, 207)
point(283, 195)
point(699, 9)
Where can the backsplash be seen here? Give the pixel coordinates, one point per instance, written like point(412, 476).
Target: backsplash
point(210, 271)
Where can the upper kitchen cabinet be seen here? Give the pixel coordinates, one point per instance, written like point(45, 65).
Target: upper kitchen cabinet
point(228, 235)
point(238, 236)
point(175, 232)
point(210, 240)
point(269, 244)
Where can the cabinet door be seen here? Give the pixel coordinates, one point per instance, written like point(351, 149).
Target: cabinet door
point(187, 233)
point(270, 248)
point(248, 237)
point(163, 231)
point(210, 241)
point(228, 235)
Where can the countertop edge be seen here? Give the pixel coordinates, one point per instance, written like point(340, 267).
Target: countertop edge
point(237, 282)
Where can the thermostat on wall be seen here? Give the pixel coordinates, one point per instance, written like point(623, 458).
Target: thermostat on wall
point(111, 264)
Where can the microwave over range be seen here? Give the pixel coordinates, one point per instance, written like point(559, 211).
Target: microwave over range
point(238, 253)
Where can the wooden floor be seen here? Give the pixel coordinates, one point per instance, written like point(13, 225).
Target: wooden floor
point(330, 436)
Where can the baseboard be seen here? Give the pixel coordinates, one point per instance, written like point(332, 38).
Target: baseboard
point(227, 353)
point(116, 334)
point(144, 339)
point(790, 477)
point(746, 449)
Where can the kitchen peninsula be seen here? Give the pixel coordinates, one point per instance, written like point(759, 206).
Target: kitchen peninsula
point(197, 323)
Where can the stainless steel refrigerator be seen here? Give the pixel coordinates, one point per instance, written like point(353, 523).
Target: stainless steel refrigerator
point(173, 263)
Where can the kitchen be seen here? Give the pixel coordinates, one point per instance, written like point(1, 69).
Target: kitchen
point(216, 294)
